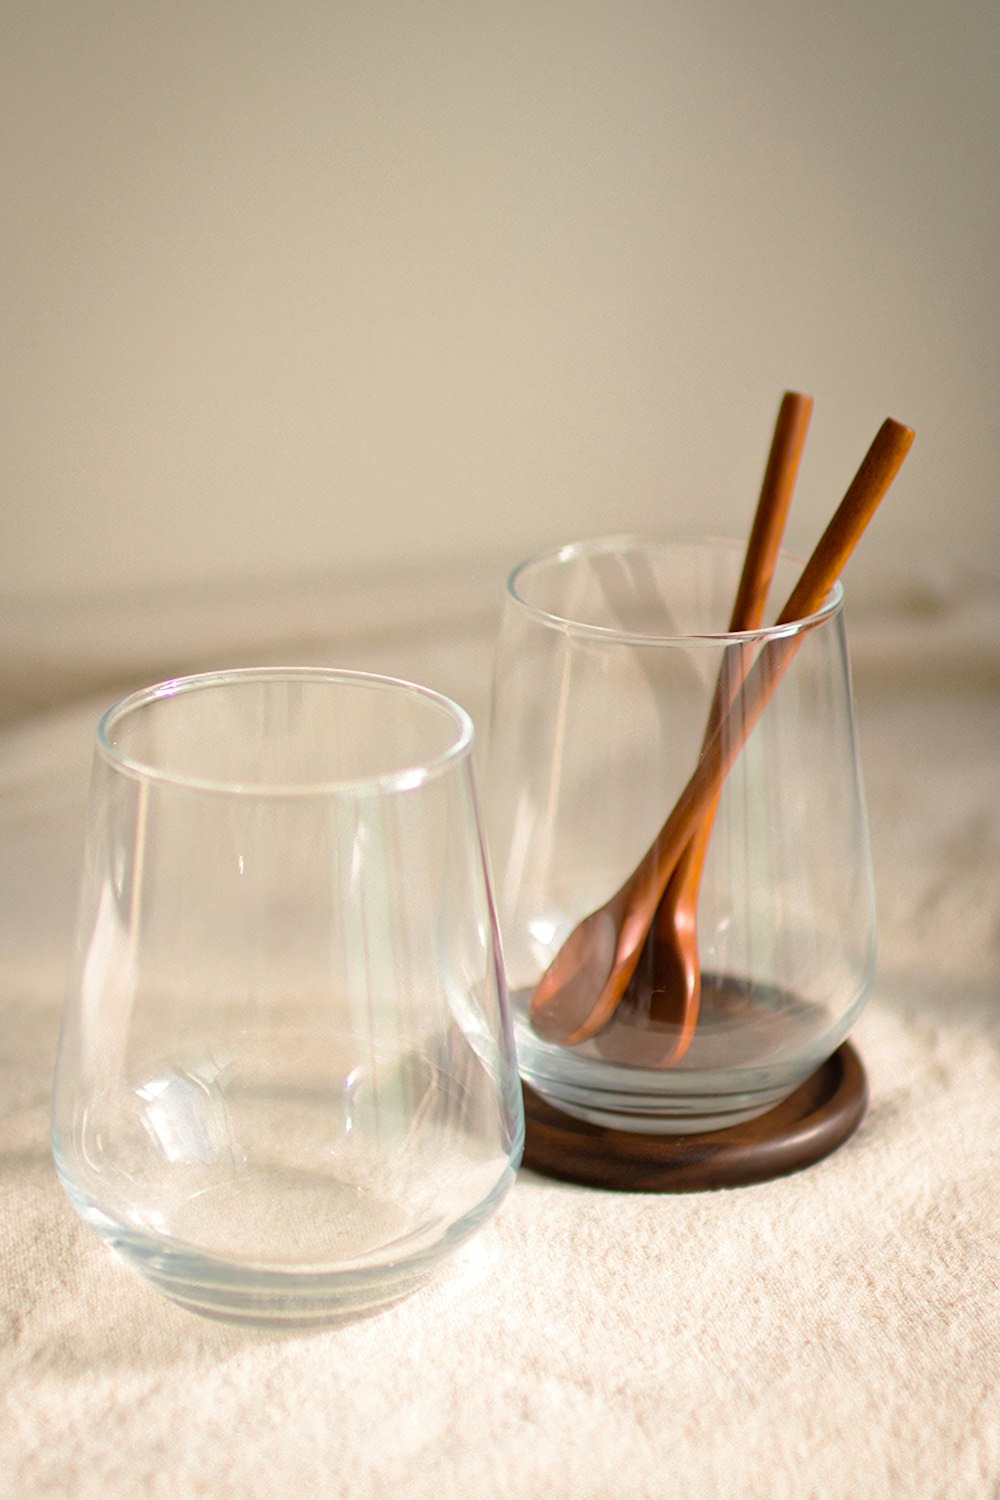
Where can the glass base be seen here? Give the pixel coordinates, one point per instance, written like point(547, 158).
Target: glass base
point(753, 1046)
point(283, 1297)
point(708, 1112)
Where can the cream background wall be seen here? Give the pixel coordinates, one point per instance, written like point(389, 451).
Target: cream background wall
point(327, 288)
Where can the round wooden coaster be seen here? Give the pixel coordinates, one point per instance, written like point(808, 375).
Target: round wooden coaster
point(821, 1114)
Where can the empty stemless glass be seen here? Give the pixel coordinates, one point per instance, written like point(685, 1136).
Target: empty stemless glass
point(607, 662)
point(286, 1084)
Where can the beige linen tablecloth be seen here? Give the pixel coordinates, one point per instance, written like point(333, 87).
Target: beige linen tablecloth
point(832, 1334)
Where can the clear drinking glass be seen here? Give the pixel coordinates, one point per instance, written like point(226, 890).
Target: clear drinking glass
point(286, 1084)
point(607, 662)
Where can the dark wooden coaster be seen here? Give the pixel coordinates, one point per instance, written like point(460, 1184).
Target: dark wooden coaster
point(821, 1114)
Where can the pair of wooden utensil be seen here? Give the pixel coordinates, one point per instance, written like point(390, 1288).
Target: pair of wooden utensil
point(581, 993)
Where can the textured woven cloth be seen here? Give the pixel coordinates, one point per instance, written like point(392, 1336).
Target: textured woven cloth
point(835, 1333)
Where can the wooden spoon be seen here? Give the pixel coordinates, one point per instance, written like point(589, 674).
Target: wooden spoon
point(656, 1030)
point(583, 985)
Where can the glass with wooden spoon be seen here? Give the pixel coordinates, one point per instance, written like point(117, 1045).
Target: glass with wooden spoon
point(622, 693)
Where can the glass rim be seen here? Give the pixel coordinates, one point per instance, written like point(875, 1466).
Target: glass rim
point(622, 542)
point(401, 779)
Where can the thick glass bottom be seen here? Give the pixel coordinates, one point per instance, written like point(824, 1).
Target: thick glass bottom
point(753, 1046)
point(287, 1296)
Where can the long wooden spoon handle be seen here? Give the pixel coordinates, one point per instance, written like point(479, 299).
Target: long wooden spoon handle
point(763, 545)
point(879, 468)
point(865, 493)
point(776, 491)
point(764, 542)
